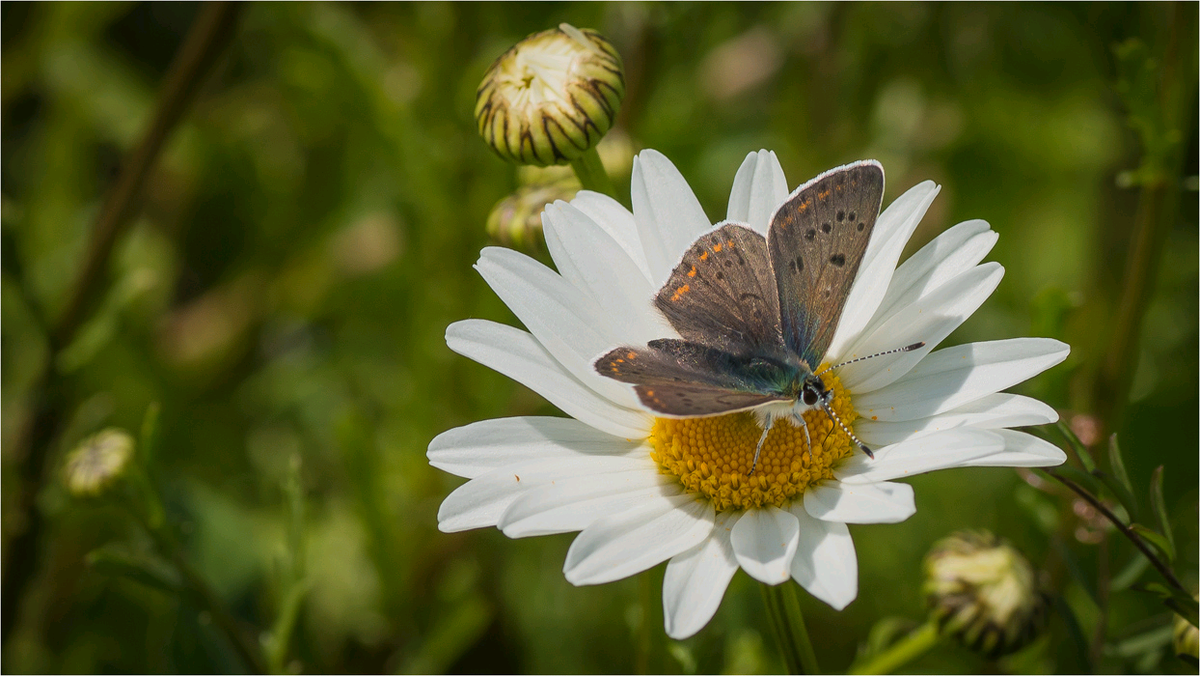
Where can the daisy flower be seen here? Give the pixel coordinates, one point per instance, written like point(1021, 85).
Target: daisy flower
point(642, 489)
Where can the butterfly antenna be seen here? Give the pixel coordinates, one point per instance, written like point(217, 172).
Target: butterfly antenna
point(907, 348)
point(833, 416)
point(761, 441)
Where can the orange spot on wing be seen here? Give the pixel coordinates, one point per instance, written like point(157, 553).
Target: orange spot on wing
point(717, 249)
point(730, 243)
point(692, 272)
point(704, 256)
point(680, 291)
point(631, 355)
point(822, 195)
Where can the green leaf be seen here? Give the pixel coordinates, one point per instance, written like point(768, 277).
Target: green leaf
point(1075, 570)
point(1075, 631)
point(1184, 605)
point(1119, 491)
point(1159, 506)
point(149, 432)
point(1142, 643)
point(1086, 481)
point(148, 569)
point(1081, 451)
point(1117, 466)
point(1160, 542)
point(452, 635)
point(1130, 573)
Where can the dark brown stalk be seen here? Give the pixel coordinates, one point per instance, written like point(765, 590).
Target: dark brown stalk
point(1137, 541)
point(211, 31)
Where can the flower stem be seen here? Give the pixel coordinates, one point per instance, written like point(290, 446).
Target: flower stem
point(591, 172)
point(783, 607)
point(901, 652)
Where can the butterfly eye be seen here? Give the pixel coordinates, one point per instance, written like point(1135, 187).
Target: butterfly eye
point(810, 396)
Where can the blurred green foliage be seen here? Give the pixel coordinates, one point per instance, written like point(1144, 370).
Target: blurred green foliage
point(308, 233)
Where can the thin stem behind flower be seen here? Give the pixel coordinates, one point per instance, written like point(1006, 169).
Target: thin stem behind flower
point(1137, 541)
point(783, 608)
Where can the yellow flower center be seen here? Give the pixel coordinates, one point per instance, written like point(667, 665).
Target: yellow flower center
point(712, 456)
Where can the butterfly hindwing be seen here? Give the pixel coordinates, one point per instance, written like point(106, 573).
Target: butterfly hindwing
point(816, 243)
point(682, 378)
point(722, 294)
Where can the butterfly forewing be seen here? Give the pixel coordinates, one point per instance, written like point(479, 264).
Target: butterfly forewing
point(816, 243)
point(722, 294)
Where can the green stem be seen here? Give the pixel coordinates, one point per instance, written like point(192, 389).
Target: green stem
point(783, 607)
point(646, 598)
point(591, 172)
point(901, 652)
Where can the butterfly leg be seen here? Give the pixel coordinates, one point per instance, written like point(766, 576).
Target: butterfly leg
point(761, 440)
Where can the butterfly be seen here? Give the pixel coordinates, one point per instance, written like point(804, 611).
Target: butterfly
point(755, 314)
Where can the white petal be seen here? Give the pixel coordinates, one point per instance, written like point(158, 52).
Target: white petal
point(825, 563)
point(624, 544)
point(929, 319)
point(567, 323)
point(990, 412)
point(668, 215)
point(574, 503)
point(695, 581)
point(764, 542)
point(616, 220)
point(860, 503)
point(521, 357)
point(916, 456)
point(478, 448)
point(892, 230)
point(949, 378)
point(948, 255)
point(481, 501)
point(758, 189)
point(592, 261)
point(1021, 450)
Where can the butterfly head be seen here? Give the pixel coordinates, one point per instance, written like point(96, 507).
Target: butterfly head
point(814, 392)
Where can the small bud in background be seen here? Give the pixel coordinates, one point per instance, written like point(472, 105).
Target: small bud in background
point(97, 462)
point(1186, 640)
point(984, 592)
point(516, 220)
point(551, 97)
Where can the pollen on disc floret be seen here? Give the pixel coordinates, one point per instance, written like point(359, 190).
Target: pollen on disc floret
point(712, 456)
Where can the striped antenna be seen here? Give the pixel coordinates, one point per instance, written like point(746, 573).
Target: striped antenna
point(908, 348)
point(833, 416)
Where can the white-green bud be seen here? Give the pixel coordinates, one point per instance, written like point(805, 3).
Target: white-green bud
point(551, 97)
point(516, 220)
point(97, 462)
point(984, 592)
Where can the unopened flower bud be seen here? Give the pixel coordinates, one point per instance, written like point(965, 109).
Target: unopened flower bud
point(97, 462)
point(551, 97)
point(516, 220)
point(1186, 640)
point(984, 592)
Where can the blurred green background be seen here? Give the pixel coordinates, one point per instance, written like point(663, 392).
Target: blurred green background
point(308, 233)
